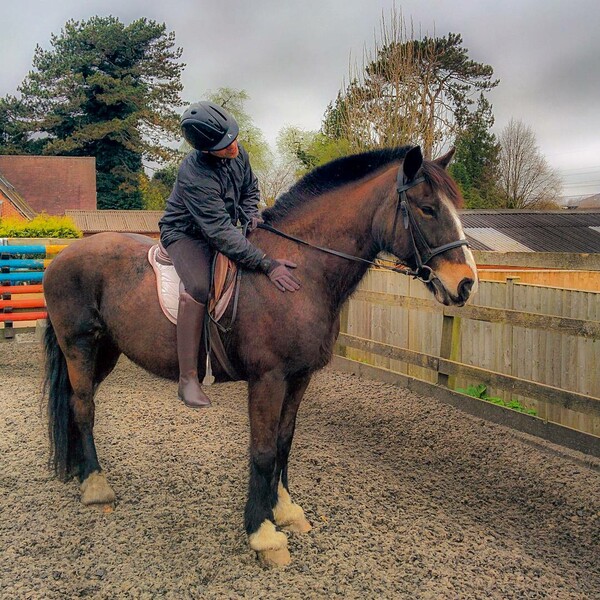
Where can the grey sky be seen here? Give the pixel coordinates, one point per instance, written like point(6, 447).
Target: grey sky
point(292, 57)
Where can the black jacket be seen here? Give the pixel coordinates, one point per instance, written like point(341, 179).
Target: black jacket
point(206, 201)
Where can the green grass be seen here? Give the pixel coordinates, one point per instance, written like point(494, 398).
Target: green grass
point(480, 391)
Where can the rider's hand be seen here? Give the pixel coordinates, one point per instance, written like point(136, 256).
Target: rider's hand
point(254, 223)
point(279, 273)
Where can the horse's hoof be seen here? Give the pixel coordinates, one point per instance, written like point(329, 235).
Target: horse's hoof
point(95, 490)
point(266, 537)
point(299, 526)
point(288, 515)
point(275, 558)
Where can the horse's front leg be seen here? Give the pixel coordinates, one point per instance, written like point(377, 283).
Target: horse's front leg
point(289, 515)
point(265, 400)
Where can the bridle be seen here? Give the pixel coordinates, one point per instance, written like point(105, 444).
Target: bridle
point(422, 257)
point(422, 272)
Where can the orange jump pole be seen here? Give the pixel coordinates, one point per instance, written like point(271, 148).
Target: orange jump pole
point(20, 303)
point(25, 316)
point(21, 289)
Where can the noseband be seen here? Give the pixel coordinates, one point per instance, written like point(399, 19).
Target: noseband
point(423, 256)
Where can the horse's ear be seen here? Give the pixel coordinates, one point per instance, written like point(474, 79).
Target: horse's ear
point(444, 161)
point(412, 163)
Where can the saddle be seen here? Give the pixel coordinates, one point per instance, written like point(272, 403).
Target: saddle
point(222, 290)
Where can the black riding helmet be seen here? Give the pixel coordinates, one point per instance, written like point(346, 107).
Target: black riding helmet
point(208, 127)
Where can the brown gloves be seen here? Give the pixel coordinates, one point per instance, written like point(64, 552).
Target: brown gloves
point(279, 273)
point(254, 222)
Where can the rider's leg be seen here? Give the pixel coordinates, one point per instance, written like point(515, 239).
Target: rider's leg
point(191, 258)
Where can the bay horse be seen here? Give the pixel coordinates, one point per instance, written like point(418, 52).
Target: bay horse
point(102, 302)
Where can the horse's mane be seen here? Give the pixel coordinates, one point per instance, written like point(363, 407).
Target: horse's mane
point(347, 169)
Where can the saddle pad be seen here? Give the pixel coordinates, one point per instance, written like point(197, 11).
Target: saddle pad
point(168, 283)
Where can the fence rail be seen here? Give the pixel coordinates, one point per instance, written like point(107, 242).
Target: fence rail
point(535, 344)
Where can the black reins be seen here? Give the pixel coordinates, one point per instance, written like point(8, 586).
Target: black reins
point(422, 272)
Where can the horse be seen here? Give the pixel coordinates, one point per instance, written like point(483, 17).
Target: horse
point(102, 302)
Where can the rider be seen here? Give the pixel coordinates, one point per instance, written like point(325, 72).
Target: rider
point(215, 188)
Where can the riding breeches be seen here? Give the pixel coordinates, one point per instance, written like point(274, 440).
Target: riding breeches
point(192, 260)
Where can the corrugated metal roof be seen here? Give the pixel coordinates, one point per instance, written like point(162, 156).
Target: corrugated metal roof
point(132, 221)
point(526, 219)
point(496, 240)
point(539, 231)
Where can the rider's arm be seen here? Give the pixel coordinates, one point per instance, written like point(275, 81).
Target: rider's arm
point(205, 205)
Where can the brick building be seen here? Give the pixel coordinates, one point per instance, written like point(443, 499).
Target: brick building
point(52, 184)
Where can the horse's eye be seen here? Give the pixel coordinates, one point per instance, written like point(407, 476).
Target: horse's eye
point(428, 211)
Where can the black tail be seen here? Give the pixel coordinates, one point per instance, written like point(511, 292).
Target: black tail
point(65, 440)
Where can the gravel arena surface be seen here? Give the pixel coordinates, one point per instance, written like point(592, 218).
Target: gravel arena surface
point(409, 498)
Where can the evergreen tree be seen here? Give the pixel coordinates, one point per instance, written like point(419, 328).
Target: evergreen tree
point(475, 164)
point(105, 90)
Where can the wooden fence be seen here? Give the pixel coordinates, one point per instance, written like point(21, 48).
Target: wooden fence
point(536, 344)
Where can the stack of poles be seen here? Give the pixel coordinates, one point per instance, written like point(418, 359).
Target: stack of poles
point(21, 292)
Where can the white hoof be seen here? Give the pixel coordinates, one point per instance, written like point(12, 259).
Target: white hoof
point(288, 515)
point(95, 490)
point(275, 558)
point(266, 537)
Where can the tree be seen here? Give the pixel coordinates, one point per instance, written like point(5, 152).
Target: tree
point(309, 149)
point(475, 164)
point(526, 179)
point(105, 90)
point(156, 189)
point(250, 135)
point(411, 91)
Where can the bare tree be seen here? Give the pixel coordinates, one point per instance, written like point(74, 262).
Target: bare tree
point(526, 179)
point(275, 179)
point(409, 90)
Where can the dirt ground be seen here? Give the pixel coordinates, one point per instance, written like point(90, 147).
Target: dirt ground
point(409, 498)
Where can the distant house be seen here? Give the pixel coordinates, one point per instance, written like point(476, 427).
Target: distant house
point(589, 203)
point(126, 221)
point(51, 184)
point(12, 204)
point(533, 231)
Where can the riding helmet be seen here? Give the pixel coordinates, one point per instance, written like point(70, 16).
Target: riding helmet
point(207, 126)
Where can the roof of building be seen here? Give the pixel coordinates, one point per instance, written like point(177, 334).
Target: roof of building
point(11, 195)
point(496, 230)
point(533, 231)
point(128, 221)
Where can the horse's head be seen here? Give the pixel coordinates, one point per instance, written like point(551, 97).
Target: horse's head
point(424, 230)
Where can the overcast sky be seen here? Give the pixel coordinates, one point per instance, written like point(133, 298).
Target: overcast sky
point(292, 57)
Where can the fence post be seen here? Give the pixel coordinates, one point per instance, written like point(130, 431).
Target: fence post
point(342, 350)
point(507, 341)
point(449, 347)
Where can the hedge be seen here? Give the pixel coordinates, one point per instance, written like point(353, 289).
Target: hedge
point(42, 226)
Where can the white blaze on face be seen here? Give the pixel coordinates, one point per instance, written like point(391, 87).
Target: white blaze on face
point(461, 236)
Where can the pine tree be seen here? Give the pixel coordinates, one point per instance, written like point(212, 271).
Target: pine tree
point(104, 89)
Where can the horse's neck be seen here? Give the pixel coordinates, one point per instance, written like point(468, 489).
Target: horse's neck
point(344, 226)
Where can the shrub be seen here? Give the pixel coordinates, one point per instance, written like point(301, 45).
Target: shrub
point(480, 391)
point(42, 226)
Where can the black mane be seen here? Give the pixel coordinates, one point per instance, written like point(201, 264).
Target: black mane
point(331, 176)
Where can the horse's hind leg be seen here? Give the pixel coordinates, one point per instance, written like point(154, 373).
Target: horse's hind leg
point(88, 365)
point(289, 515)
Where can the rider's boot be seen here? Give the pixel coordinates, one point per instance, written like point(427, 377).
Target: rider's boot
point(190, 322)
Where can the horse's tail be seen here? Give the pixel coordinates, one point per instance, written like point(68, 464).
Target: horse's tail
point(65, 440)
